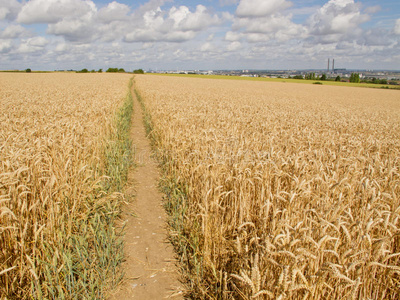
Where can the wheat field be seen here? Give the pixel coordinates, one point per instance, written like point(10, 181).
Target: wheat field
point(277, 190)
point(56, 205)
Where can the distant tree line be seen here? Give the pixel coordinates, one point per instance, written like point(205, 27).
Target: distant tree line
point(375, 80)
point(311, 76)
point(87, 71)
point(297, 77)
point(115, 70)
point(354, 77)
point(111, 70)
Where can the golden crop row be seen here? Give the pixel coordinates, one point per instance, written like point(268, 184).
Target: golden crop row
point(286, 191)
point(52, 139)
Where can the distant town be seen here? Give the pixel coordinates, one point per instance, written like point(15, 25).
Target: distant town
point(330, 73)
point(368, 75)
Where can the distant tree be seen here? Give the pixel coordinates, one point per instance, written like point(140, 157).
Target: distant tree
point(383, 81)
point(298, 77)
point(323, 77)
point(28, 70)
point(310, 76)
point(100, 71)
point(121, 70)
point(138, 71)
point(83, 71)
point(338, 78)
point(355, 78)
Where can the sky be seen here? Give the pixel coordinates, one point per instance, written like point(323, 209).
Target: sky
point(199, 35)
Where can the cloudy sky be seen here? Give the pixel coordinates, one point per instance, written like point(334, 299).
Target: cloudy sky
point(205, 34)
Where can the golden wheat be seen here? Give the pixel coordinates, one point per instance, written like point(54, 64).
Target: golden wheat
point(52, 135)
point(288, 191)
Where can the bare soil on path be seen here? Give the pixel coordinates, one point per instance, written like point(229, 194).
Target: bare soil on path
point(150, 266)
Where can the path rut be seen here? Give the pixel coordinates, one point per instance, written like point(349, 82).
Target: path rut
point(150, 267)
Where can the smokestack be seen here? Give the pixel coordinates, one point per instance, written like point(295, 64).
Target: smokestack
point(329, 60)
point(333, 66)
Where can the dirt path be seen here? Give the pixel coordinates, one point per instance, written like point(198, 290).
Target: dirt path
point(150, 271)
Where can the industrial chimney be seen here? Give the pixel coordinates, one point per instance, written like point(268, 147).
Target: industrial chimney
point(329, 60)
point(333, 66)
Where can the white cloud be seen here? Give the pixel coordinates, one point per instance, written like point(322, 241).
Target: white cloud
point(375, 37)
point(53, 11)
point(262, 21)
point(67, 56)
point(178, 15)
point(62, 47)
point(226, 16)
point(14, 31)
point(269, 24)
point(147, 36)
point(33, 45)
point(196, 21)
point(397, 27)
point(176, 25)
point(114, 11)
point(147, 45)
point(38, 41)
point(207, 47)
point(373, 9)
point(234, 46)
point(337, 17)
point(5, 46)
point(151, 5)
point(75, 30)
point(233, 36)
point(80, 21)
point(259, 8)
point(9, 9)
point(72, 19)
